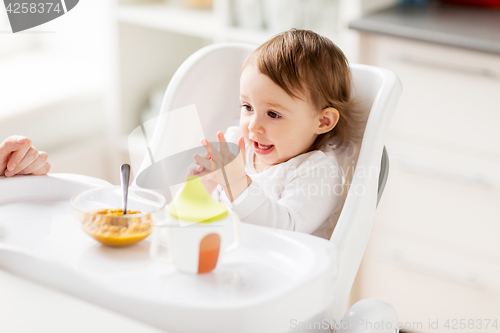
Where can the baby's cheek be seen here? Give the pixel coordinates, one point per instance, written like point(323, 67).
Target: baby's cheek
point(244, 130)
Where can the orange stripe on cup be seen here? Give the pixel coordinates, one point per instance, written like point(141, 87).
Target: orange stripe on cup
point(209, 253)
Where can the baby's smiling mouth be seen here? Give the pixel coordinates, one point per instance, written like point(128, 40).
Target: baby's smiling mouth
point(262, 148)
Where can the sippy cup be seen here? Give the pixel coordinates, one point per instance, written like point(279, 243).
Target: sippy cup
point(197, 230)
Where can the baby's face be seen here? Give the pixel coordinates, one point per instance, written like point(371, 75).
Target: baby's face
point(276, 125)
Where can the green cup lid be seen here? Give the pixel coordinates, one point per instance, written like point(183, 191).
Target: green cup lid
point(194, 204)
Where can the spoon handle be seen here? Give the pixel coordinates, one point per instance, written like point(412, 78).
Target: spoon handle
point(125, 178)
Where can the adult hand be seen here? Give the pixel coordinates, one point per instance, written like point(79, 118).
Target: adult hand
point(19, 157)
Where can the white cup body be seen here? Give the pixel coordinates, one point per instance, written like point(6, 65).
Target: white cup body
point(183, 241)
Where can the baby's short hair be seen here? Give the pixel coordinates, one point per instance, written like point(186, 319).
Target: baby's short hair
point(302, 62)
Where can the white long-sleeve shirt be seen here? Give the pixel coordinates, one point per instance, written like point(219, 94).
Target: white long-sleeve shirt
point(302, 194)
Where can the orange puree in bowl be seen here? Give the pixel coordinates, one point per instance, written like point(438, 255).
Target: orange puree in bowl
point(111, 227)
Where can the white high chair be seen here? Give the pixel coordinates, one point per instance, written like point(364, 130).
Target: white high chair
point(210, 79)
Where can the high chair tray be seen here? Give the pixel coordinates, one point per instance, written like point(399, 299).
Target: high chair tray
point(273, 278)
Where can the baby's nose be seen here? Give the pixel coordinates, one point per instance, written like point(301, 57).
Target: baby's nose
point(255, 125)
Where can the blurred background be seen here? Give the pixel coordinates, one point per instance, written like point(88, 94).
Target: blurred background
point(78, 85)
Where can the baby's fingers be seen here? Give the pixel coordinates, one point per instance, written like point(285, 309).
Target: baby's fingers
point(241, 145)
point(204, 162)
point(193, 169)
point(213, 153)
point(224, 148)
point(207, 146)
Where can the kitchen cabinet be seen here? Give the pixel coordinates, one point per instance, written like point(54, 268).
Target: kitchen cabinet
point(434, 253)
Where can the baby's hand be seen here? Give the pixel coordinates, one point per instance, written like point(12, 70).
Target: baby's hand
point(234, 178)
point(19, 157)
point(199, 171)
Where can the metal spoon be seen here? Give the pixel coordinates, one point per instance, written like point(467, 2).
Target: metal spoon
point(125, 178)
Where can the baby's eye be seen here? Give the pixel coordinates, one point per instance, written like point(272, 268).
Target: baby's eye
point(273, 115)
point(247, 107)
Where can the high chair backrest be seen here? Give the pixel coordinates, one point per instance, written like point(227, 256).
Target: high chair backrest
point(210, 79)
point(378, 91)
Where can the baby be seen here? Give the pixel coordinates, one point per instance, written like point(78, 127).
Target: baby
point(19, 157)
point(295, 93)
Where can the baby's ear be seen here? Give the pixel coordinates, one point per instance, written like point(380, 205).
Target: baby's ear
point(328, 119)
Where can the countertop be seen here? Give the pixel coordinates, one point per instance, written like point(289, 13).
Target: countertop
point(468, 27)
